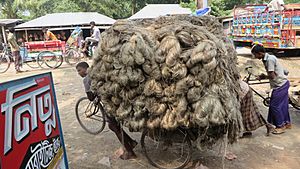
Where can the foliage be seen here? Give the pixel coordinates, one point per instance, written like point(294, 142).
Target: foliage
point(190, 4)
point(113, 8)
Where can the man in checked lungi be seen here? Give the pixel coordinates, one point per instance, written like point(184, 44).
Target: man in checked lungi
point(252, 119)
point(279, 103)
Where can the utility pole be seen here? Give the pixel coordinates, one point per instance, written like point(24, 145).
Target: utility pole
point(201, 4)
point(133, 7)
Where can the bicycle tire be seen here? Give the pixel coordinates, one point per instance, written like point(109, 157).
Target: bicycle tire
point(4, 63)
point(60, 61)
point(153, 163)
point(33, 63)
point(96, 111)
point(50, 59)
point(266, 101)
point(296, 106)
point(72, 56)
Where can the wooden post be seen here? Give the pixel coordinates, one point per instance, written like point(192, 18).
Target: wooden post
point(26, 35)
point(4, 34)
point(133, 7)
point(199, 4)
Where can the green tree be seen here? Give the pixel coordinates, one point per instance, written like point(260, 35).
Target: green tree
point(9, 8)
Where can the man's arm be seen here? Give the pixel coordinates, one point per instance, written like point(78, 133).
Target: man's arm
point(271, 75)
point(271, 68)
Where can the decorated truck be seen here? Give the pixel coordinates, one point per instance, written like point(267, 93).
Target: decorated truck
point(278, 31)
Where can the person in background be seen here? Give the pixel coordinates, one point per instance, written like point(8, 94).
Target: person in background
point(30, 38)
point(279, 103)
point(48, 35)
point(15, 49)
point(113, 125)
point(95, 37)
point(36, 37)
point(276, 5)
point(58, 36)
point(41, 37)
point(24, 38)
point(63, 36)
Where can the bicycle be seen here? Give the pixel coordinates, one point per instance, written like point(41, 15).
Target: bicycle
point(163, 149)
point(6, 58)
point(53, 53)
point(166, 149)
point(266, 100)
point(90, 112)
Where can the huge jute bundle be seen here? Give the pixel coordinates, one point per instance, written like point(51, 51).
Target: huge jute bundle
point(169, 72)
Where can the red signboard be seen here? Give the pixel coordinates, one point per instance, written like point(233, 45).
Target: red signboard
point(31, 135)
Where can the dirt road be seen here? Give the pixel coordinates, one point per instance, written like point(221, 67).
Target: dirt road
point(86, 151)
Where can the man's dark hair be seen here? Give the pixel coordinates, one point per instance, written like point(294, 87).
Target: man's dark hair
point(258, 49)
point(44, 29)
point(82, 65)
point(11, 30)
point(92, 23)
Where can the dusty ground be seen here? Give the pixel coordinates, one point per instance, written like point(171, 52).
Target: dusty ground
point(85, 151)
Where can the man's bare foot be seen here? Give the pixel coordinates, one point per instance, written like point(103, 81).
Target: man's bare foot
point(19, 71)
point(128, 155)
point(230, 156)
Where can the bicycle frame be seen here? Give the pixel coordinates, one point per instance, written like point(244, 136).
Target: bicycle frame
point(248, 80)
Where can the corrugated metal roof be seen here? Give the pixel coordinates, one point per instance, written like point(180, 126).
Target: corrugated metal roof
point(68, 19)
point(156, 10)
point(4, 22)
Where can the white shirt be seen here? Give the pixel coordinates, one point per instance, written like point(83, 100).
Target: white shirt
point(272, 64)
point(96, 34)
point(276, 5)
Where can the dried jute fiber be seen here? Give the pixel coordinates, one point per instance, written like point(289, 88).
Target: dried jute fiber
point(169, 72)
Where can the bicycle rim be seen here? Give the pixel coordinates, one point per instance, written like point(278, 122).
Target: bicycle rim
point(72, 57)
point(294, 103)
point(48, 58)
point(266, 101)
point(89, 116)
point(59, 61)
point(32, 63)
point(4, 64)
point(165, 154)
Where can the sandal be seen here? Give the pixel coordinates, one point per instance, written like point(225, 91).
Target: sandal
point(278, 130)
point(288, 126)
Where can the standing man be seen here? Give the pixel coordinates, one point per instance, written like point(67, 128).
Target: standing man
point(48, 35)
point(15, 49)
point(279, 103)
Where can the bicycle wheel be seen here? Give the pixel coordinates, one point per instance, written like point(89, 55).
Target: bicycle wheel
point(72, 56)
point(293, 101)
point(4, 63)
point(32, 62)
point(49, 59)
point(165, 149)
point(267, 101)
point(90, 116)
